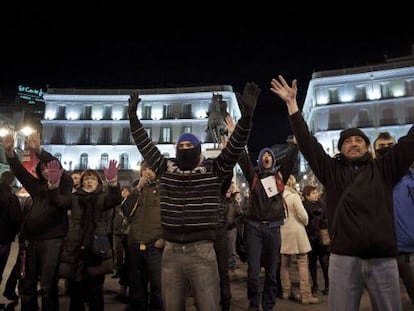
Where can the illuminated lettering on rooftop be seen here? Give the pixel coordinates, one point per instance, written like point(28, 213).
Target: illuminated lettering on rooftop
point(30, 95)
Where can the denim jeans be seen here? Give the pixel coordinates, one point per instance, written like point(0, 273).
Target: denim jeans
point(144, 267)
point(263, 249)
point(349, 276)
point(42, 259)
point(222, 253)
point(190, 264)
point(232, 235)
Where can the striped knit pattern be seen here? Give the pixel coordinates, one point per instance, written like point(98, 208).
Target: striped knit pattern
point(191, 199)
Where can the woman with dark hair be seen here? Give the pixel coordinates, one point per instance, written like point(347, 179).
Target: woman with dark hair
point(85, 268)
point(317, 220)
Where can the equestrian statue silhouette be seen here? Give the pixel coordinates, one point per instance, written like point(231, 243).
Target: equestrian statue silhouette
point(217, 112)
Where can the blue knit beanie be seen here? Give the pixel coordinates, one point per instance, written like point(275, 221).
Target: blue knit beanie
point(189, 137)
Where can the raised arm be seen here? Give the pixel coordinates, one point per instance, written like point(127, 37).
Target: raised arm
point(287, 93)
point(231, 153)
point(144, 144)
point(313, 152)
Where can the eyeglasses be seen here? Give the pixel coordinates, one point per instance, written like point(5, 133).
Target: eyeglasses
point(90, 178)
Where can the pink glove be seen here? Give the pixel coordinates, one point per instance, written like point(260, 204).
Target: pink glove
point(54, 171)
point(112, 171)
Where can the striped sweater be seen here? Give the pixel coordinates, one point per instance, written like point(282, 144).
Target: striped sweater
point(190, 200)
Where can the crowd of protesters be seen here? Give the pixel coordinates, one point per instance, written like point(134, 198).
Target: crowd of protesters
point(173, 233)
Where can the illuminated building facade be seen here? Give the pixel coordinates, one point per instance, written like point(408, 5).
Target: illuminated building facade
point(86, 128)
point(374, 98)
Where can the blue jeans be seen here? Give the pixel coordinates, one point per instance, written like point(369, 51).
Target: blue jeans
point(42, 259)
point(349, 276)
point(190, 264)
point(263, 249)
point(222, 253)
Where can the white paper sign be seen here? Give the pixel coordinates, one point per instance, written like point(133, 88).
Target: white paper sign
point(269, 184)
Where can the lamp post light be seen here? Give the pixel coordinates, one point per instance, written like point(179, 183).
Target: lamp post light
point(27, 130)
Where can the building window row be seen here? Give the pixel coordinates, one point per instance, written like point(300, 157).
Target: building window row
point(363, 115)
point(364, 91)
point(109, 112)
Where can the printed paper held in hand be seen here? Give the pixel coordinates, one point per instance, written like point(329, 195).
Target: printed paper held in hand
point(269, 184)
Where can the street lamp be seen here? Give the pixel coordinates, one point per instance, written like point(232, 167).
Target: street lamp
point(26, 131)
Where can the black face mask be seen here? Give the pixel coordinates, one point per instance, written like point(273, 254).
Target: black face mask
point(187, 159)
point(379, 153)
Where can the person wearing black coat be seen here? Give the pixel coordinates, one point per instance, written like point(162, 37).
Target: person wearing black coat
point(10, 217)
point(87, 254)
point(359, 200)
point(316, 210)
point(45, 224)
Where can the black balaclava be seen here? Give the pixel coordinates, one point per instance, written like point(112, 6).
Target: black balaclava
point(379, 153)
point(187, 159)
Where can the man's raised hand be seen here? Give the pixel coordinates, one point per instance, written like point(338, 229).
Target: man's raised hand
point(248, 100)
point(133, 103)
point(286, 93)
point(283, 90)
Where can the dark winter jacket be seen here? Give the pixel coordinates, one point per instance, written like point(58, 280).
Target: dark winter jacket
point(261, 207)
point(47, 219)
point(145, 220)
point(10, 214)
point(362, 225)
point(317, 218)
point(88, 218)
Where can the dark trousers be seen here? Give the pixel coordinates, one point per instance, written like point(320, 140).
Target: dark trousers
point(406, 271)
point(42, 259)
point(4, 255)
point(318, 252)
point(88, 291)
point(11, 282)
point(123, 268)
point(144, 266)
point(222, 253)
point(263, 249)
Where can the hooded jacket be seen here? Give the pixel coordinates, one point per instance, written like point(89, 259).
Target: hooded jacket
point(362, 224)
point(261, 207)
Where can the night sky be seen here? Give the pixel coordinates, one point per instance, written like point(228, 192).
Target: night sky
point(94, 57)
